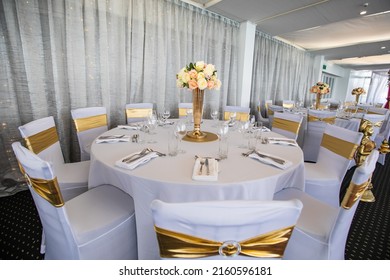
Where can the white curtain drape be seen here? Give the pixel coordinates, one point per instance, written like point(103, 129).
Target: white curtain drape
point(64, 54)
point(280, 71)
point(377, 92)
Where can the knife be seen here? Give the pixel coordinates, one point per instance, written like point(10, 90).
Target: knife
point(207, 166)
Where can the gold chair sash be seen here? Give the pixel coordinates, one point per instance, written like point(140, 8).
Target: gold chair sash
point(286, 125)
point(341, 147)
point(178, 245)
point(42, 140)
point(183, 111)
point(270, 112)
point(329, 120)
point(353, 193)
point(240, 116)
point(47, 189)
point(87, 123)
point(374, 113)
point(138, 112)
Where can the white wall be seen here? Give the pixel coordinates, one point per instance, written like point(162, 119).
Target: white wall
point(342, 75)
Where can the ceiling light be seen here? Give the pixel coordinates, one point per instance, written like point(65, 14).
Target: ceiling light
point(364, 11)
point(383, 47)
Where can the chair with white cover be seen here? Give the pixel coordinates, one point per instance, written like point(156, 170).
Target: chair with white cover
point(98, 224)
point(41, 138)
point(89, 122)
point(224, 229)
point(242, 113)
point(323, 178)
point(271, 111)
point(316, 123)
point(287, 124)
point(322, 230)
point(138, 112)
point(184, 109)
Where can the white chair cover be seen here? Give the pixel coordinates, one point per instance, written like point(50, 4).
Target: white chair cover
point(87, 136)
point(242, 112)
point(280, 117)
point(183, 108)
point(316, 123)
point(225, 220)
point(98, 224)
point(322, 230)
point(142, 116)
point(323, 178)
point(271, 111)
point(72, 177)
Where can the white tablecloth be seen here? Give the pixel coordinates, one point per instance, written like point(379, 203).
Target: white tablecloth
point(169, 178)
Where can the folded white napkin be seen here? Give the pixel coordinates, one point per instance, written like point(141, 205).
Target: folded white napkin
point(210, 175)
point(129, 127)
point(137, 162)
point(270, 161)
point(263, 129)
point(282, 141)
point(113, 138)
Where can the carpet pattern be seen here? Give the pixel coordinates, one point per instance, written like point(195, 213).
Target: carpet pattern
point(368, 239)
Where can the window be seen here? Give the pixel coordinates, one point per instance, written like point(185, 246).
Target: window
point(330, 80)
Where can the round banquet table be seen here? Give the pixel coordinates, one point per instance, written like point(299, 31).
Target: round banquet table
point(170, 178)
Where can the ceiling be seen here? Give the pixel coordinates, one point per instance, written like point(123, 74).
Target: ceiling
point(332, 28)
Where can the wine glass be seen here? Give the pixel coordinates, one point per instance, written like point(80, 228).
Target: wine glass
point(214, 115)
point(165, 115)
point(242, 129)
point(181, 131)
point(151, 123)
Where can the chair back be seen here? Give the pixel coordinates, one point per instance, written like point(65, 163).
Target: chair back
point(211, 227)
point(47, 196)
point(89, 123)
point(359, 182)
point(381, 111)
point(184, 108)
point(41, 137)
point(316, 123)
point(337, 148)
point(242, 113)
point(288, 104)
point(136, 112)
point(287, 124)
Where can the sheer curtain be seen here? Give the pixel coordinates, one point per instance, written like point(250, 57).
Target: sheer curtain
point(59, 55)
point(377, 92)
point(280, 71)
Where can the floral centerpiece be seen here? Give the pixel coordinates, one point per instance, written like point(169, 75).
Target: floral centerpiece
point(198, 77)
point(358, 91)
point(319, 89)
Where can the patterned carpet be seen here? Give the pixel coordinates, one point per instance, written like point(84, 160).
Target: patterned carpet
point(369, 236)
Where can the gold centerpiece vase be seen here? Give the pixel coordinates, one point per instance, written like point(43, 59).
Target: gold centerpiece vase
point(198, 77)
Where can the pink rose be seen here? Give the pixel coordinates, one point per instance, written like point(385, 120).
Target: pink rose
point(210, 84)
point(192, 84)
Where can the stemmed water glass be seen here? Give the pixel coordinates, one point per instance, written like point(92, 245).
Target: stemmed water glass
point(214, 115)
point(181, 131)
point(243, 130)
point(165, 115)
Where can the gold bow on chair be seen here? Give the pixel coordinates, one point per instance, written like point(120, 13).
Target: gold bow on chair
point(42, 140)
point(87, 123)
point(47, 189)
point(353, 193)
point(329, 120)
point(240, 116)
point(138, 112)
point(286, 125)
point(341, 147)
point(179, 245)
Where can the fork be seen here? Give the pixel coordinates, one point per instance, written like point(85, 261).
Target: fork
point(277, 160)
point(137, 155)
point(202, 162)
